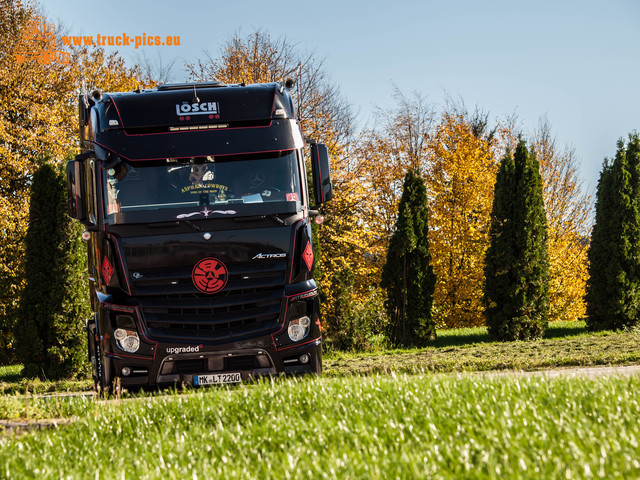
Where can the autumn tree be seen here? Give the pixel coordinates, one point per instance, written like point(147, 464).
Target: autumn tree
point(397, 143)
point(516, 292)
point(50, 341)
point(613, 288)
point(38, 119)
point(460, 177)
point(407, 275)
point(568, 210)
point(457, 152)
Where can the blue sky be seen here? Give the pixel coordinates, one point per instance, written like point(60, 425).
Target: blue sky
point(577, 62)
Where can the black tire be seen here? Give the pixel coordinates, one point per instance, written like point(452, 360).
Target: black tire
point(105, 380)
point(100, 369)
point(91, 346)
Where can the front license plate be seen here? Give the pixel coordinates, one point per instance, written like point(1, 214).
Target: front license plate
point(216, 378)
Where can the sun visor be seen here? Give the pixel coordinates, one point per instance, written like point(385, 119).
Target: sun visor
point(154, 111)
point(278, 135)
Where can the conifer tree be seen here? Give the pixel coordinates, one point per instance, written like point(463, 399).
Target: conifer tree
point(613, 288)
point(407, 275)
point(50, 342)
point(516, 293)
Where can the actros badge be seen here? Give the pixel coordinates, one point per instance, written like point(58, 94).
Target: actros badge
point(210, 275)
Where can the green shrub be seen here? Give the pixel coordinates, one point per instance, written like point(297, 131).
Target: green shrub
point(613, 288)
point(50, 341)
point(359, 320)
point(516, 293)
point(408, 275)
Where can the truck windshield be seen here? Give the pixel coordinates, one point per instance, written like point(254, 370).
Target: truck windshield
point(202, 181)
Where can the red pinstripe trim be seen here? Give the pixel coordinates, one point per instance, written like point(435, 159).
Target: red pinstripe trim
point(119, 308)
point(117, 111)
point(299, 344)
point(302, 293)
point(120, 253)
point(284, 317)
point(293, 250)
point(139, 318)
point(284, 321)
point(129, 356)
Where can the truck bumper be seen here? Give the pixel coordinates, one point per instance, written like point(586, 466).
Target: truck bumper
point(166, 361)
point(181, 364)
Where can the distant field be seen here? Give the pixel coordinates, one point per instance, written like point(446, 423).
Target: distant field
point(381, 427)
point(470, 349)
point(11, 382)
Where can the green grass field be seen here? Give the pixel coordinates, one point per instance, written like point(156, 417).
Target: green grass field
point(353, 422)
point(417, 426)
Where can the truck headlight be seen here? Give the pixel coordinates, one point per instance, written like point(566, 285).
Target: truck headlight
point(299, 328)
point(127, 340)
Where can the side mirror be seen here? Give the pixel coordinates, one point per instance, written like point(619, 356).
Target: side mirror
point(75, 190)
point(322, 187)
point(83, 120)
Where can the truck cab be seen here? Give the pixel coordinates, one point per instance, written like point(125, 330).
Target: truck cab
point(197, 220)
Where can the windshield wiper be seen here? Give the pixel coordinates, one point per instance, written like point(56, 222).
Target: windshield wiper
point(193, 225)
point(272, 216)
point(175, 224)
point(277, 219)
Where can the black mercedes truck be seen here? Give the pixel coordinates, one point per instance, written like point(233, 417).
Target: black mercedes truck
point(197, 220)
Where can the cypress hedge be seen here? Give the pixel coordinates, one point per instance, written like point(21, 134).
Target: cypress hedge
point(613, 288)
point(407, 274)
point(516, 290)
point(50, 341)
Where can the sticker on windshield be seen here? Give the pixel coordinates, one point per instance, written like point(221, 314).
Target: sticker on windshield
point(209, 188)
point(206, 212)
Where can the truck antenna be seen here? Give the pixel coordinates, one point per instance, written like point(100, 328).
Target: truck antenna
point(299, 82)
point(195, 94)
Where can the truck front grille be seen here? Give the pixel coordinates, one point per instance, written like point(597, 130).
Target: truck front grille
point(249, 305)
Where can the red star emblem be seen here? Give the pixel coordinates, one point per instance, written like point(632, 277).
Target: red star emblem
point(307, 256)
point(107, 270)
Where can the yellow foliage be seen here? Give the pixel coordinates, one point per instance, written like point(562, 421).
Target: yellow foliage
point(384, 156)
point(346, 242)
point(568, 218)
point(460, 179)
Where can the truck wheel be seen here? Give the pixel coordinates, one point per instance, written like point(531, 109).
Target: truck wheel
point(93, 357)
point(104, 381)
point(100, 370)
